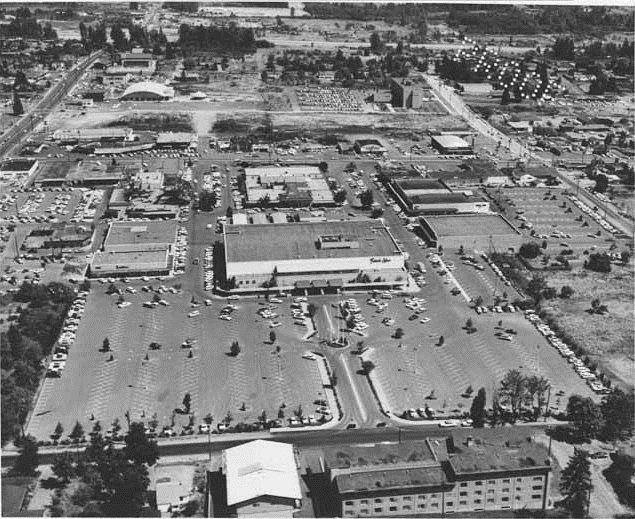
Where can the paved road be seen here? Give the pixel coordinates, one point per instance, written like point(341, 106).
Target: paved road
point(40, 111)
point(200, 444)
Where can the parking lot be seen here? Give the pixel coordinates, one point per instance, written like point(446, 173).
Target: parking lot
point(554, 218)
point(145, 381)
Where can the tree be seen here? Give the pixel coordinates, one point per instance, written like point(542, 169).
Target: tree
point(621, 477)
point(118, 37)
point(575, 483)
point(535, 288)
point(513, 388)
point(324, 167)
point(585, 417)
point(139, 449)
point(505, 98)
point(57, 433)
point(477, 411)
point(234, 349)
point(469, 325)
point(566, 292)
point(272, 336)
point(617, 411)
point(28, 459)
point(187, 402)
point(77, 433)
point(529, 250)
point(367, 366)
point(18, 109)
point(601, 183)
point(63, 467)
point(599, 262)
point(625, 256)
point(376, 45)
point(366, 198)
point(441, 341)
point(105, 345)
point(339, 197)
point(399, 333)
point(229, 212)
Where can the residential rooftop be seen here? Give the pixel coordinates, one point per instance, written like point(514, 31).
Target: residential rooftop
point(290, 241)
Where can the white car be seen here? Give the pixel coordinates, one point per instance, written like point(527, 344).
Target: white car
point(194, 313)
point(123, 304)
point(449, 423)
point(225, 317)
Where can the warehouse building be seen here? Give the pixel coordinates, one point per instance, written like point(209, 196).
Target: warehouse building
point(419, 196)
point(472, 231)
point(312, 256)
point(177, 140)
point(288, 186)
point(17, 170)
point(148, 91)
point(451, 145)
point(465, 473)
point(135, 249)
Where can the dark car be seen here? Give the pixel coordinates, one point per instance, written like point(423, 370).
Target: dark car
point(351, 426)
point(381, 424)
point(413, 317)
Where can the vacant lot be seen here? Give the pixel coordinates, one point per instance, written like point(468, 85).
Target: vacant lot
point(144, 381)
point(609, 337)
point(166, 122)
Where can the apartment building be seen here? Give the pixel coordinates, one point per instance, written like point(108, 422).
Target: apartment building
point(484, 471)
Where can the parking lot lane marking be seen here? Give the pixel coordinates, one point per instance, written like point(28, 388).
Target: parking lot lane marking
point(360, 404)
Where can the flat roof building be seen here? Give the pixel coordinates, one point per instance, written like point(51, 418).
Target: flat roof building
point(465, 473)
point(432, 196)
point(312, 255)
point(83, 135)
point(451, 145)
point(135, 249)
point(288, 186)
point(472, 231)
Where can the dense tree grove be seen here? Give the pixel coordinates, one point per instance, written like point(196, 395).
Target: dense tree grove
point(575, 484)
point(28, 28)
point(25, 344)
point(108, 481)
point(403, 14)
point(211, 37)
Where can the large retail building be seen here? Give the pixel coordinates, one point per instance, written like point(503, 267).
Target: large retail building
point(312, 256)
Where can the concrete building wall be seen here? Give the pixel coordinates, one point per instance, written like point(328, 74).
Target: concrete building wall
point(514, 493)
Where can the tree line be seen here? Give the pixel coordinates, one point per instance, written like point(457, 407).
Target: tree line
point(25, 344)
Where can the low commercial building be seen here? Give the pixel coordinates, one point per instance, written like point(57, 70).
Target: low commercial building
point(57, 238)
point(135, 249)
point(148, 91)
point(262, 480)
point(451, 145)
point(288, 186)
point(405, 93)
point(17, 170)
point(139, 61)
point(312, 256)
point(465, 473)
point(472, 231)
point(177, 140)
point(369, 146)
point(83, 135)
point(432, 196)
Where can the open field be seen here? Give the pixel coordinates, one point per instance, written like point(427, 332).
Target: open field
point(217, 382)
point(607, 338)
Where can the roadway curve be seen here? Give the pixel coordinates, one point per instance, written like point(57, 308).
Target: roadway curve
point(454, 104)
point(50, 100)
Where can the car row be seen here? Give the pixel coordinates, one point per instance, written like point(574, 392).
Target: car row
point(67, 336)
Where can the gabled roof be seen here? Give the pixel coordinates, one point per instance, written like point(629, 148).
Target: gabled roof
point(260, 468)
